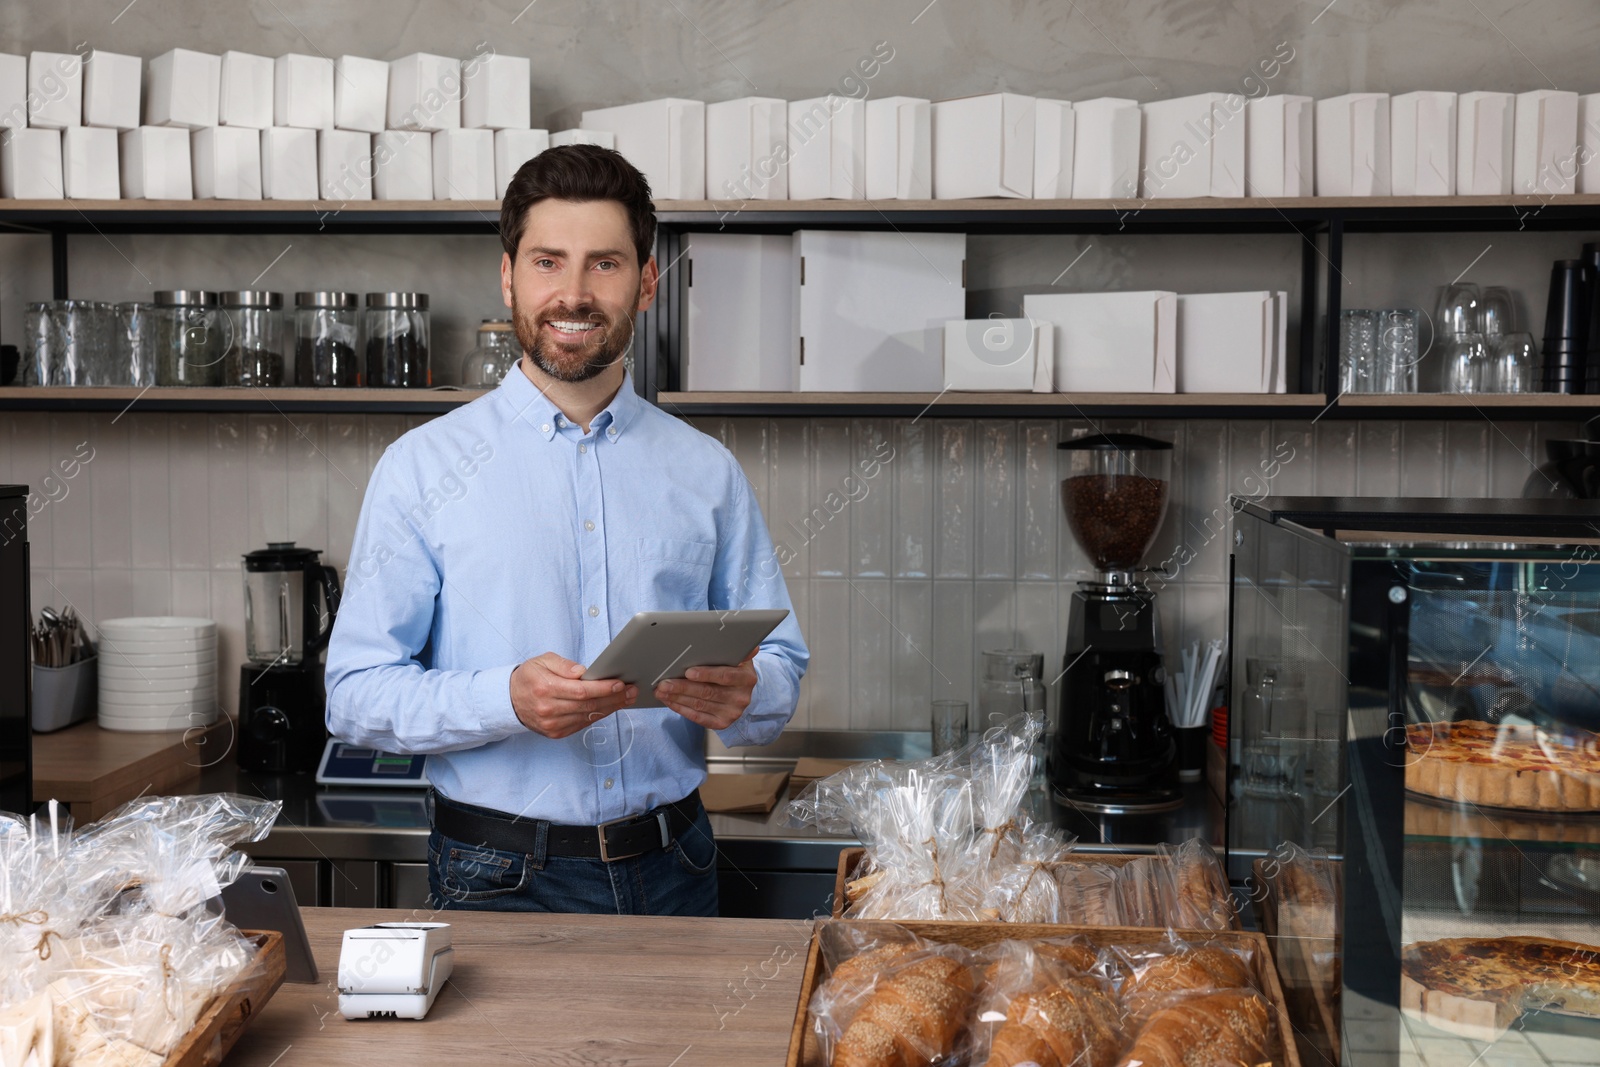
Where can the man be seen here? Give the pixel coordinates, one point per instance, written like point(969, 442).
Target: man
point(502, 546)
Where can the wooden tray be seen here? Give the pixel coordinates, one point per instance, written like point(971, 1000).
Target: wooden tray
point(850, 859)
point(804, 1050)
point(225, 1018)
point(1311, 992)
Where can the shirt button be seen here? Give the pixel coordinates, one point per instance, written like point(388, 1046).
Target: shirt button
point(560, 421)
point(583, 448)
point(611, 431)
point(588, 525)
point(609, 783)
point(545, 428)
point(593, 610)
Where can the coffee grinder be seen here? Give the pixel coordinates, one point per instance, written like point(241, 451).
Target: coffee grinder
point(282, 725)
point(1114, 748)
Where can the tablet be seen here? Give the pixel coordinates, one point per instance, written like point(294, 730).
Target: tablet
point(262, 898)
point(656, 645)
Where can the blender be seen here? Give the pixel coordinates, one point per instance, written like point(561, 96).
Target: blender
point(282, 726)
point(1114, 749)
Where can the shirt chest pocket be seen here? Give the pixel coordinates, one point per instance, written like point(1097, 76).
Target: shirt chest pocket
point(676, 575)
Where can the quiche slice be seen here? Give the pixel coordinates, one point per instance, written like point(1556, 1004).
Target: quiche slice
point(1479, 986)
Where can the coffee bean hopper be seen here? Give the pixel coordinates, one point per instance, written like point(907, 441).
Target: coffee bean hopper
point(1114, 749)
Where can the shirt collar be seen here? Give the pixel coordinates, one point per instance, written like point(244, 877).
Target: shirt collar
point(530, 404)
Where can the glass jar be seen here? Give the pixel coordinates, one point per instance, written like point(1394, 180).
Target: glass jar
point(69, 343)
point(1012, 684)
point(193, 338)
point(397, 341)
point(497, 352)
point(255, 319)
point(136, 341)
point(325, 353)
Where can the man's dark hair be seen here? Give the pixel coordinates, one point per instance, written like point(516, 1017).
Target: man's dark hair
point(580, 173)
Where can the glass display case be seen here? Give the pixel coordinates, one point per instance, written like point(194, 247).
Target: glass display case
point(1414, 692)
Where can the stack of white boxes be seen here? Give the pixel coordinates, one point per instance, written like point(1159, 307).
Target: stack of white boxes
point(1233, 342)
point(665, 139)
point(1109, 342)
point(747, 149)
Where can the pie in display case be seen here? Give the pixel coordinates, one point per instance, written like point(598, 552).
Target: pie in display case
point(1414, 697)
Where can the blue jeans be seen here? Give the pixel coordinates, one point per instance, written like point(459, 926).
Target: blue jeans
point(680, 879)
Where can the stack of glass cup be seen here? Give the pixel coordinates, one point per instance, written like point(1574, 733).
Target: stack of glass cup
point(1378, 350)
point(1482, 350)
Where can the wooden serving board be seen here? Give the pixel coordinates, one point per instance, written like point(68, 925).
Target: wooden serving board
point(226, 1017)
point(94, 770)
point(805, 1051)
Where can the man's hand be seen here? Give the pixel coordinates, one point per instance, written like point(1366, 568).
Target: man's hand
point(550, 698)
point(714, 697)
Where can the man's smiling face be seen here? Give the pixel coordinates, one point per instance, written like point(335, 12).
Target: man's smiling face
point(575, 286)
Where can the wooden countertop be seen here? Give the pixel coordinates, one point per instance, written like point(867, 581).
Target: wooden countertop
point(556, 989)
point(95, 770)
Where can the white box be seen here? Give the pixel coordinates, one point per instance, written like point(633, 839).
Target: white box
point(111, 85)
point(227, 163)
point(740, 322)
point(246, 90)
point(1105, 153)
point(1353, 145)
point(425, 93)
point(1279, 139)
point(871, 309)
point(184, 89)
point(497, 93)
point(899, 147)
point(402, 165)
point(1055, 132)
point(155, 164)
point(513, 148)
point(13, 92)
point(89, 163)
point(1545, 150)
point(1422, 144)
point(360, 94)
point(828, 148)
point(1110, 342)
point(747, 149)
point(997, 355)
point(1485, 135)
point(1227, 342)
point(30, 165)
point(599, 138)
point(665, 139)
point(1589, 143)
point(288, 163)
point(463, 165)
point(983, 146)
point(1194, 146)
point(302, 91)
point(344, 165)
point(55, 89)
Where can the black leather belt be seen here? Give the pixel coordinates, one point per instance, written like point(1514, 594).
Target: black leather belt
point(618, 839)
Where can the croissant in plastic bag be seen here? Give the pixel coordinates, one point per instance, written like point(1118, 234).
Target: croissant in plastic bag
point(1222, 1029)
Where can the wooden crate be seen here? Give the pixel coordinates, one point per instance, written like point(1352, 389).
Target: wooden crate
point(805, 1051)
point(1296, 936)
point(850, 859)
point(226, 1017)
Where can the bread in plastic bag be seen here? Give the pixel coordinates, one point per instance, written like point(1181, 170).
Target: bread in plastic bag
point(1199, 895)
point(1227, 1028)
point(1090, 895)
point(1042, 1003)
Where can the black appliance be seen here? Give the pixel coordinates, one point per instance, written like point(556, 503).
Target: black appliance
point(1114, 748)
point(16, 672)
point(282, 703)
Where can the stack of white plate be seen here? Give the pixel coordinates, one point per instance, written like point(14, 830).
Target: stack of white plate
point(158, 673)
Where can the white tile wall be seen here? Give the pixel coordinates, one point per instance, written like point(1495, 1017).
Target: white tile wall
point(898, 580)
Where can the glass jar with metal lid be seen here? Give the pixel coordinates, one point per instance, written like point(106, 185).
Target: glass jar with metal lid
point(497, 352)
point(255, 356)
point(397, 341)
point(194, 337)
point(325, 352)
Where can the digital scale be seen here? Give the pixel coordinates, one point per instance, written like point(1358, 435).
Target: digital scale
point(345, 764)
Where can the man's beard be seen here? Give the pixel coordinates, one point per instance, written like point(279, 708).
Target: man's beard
point(613, 343)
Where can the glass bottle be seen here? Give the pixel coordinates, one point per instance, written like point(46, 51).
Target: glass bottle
point(497, 351)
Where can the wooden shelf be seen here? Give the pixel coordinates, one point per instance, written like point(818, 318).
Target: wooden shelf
point(1557, 402)
point(952, 404)
point(285, 400)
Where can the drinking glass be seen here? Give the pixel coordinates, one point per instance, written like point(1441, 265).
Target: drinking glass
point(1497, 311)
point(1458, 310)
point(949, 725)
point(135, 343)
point(1513, 365)
point(1465, 357)
point(1358, 359)
point(1397, 351)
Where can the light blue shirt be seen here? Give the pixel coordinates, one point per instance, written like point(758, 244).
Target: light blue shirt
point(501, 531)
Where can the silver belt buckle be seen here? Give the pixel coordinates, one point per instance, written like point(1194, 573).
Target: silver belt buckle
point(605, 853)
